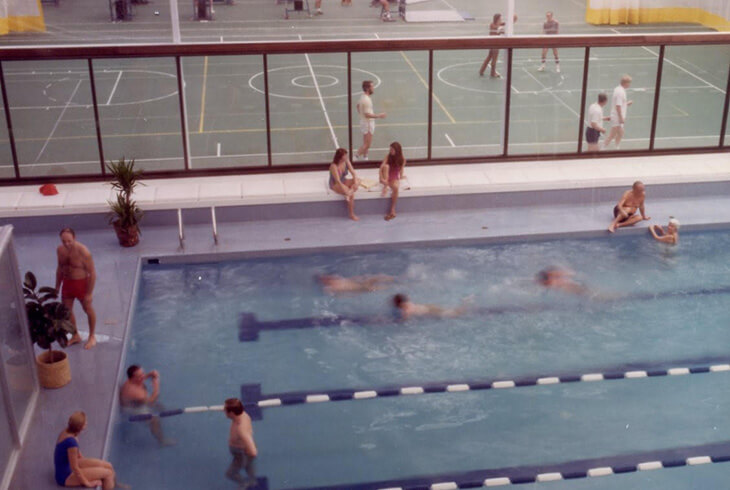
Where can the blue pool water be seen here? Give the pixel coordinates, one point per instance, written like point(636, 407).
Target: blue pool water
point(656, 306)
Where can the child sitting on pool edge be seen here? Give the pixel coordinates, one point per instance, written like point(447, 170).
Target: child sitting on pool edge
point(241, 444)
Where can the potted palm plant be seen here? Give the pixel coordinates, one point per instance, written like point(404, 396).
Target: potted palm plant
point(125, 214)
point(49, 321)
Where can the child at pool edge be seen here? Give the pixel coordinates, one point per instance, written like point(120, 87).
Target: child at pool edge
point(670, 235)
point(391, 173)
point(240, 444)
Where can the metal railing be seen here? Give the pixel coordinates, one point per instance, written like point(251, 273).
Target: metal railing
point(266, 50)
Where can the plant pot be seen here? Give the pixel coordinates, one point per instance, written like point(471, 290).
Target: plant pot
point(53, 372)
point(129, 236)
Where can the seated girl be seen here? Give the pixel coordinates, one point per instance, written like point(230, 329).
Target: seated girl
point(339, 169)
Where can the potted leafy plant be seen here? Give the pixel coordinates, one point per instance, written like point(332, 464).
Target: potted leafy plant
point(125, 214)
point(49, 321)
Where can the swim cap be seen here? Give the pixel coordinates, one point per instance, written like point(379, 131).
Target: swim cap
point(674, 222)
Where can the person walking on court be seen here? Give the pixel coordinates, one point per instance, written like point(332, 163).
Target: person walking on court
point(339, 169)
point(619, 107)
point(77, 273)
point(595, 122)
point(391, 173)
point(240, 444)
point(496, 28)
point(550, 28)
point(367, 119)
point(318, 6)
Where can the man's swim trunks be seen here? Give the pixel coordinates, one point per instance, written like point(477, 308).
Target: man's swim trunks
point(75, 288)
point(615, 214)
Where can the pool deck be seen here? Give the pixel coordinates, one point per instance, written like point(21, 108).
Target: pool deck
point(514, 211)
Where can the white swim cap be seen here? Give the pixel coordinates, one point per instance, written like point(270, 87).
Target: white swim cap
point(674, 222)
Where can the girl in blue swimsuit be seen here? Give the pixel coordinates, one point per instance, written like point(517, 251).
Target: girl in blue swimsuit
point(72, 468)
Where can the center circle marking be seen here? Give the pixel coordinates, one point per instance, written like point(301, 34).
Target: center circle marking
point(332, 81)
point(367, 76)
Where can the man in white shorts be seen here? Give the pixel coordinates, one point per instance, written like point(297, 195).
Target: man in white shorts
point(594, 124)
point(367, 119)
point(619, 107)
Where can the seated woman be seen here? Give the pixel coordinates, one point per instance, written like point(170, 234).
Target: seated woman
point(72, 468)
point(391, 173)
point(339, 168)
point(670, 235)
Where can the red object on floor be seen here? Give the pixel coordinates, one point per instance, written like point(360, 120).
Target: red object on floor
point(48, 190)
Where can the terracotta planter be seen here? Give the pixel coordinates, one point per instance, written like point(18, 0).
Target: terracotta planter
point(55, 372)
point(128, 237)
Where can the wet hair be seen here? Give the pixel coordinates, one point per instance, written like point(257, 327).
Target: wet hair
point(67, 230)
point(397, 159)
point(339, 153)
point(233, 405)
point(543, 276)
point(131, 370)
point(602, 97)
point(399, 299)
point(76, 422)
point(366, 84)
point(496, 18)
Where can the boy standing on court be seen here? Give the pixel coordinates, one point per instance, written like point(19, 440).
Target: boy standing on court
point(550, 28)
point(619, 107)
point(240, 443)
point(367, 119)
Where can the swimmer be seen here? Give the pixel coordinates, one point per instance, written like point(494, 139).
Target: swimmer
point(408, 309)
point(359, 284)
point(560, 279)
point(240, 444)
point(624, 212)
point(135, 400)
point(670, 235)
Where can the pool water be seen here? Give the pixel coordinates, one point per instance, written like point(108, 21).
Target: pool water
point(652, 305)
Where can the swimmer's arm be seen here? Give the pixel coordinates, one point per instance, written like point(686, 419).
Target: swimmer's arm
point(661, 238)
point(74, 456)
point(155, 388)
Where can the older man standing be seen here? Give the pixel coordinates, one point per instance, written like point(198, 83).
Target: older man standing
point(77, 274)
point(619, 107)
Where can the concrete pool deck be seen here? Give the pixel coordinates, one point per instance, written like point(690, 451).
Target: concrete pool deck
point(514, 212)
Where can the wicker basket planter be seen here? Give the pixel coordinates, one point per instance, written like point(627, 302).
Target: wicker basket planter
point(55, 372)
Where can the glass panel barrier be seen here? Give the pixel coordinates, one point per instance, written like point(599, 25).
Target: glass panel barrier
point(139, 111)
point(53, 119)
point(7, 444)
point(226, 111)
point(606, 68)
point(468, 110)
point(400, 85)
point(7, 170)
point(545, 101)
point(692, 96)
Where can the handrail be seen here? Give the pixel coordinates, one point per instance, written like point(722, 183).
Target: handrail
point(355, 46)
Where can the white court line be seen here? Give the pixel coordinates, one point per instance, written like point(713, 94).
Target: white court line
point(78, 84)
point(450, 140)
point(551, 93)
point(321, 100)
point(114, 88)
point(680, 67)
point(376, 35)
point(218, 149)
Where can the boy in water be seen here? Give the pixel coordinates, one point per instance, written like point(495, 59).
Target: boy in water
point(241, 444)
point(408, 309)
point(670, 235)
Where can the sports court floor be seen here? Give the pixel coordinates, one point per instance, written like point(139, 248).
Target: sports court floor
point(140, 117)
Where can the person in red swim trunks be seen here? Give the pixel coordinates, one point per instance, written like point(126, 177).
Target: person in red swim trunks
point(77, 274)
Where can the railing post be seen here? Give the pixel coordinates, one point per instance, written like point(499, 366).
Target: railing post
point(266, 103)
point(215, 224)
point(583, 95)
point(723, 125)
point(507, 102)
point(96, 116)
point(183, 112)
point(9, 122)
point(657, 89)
point(430, 103)
point(180, 232)
point(349, 104)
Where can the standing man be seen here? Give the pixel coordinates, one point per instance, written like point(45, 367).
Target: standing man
point(595, 122)
point(550, 28)
point(624, 212)
point(619, 107)
point(367, 119)
point(77, 273)
point(240, 444)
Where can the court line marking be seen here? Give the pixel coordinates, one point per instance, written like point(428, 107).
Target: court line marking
point(435, 97)
point(114, 88)
point(450, 140)
point(321, 100)
point(547, 90)
point(78, 84)
point(202, 96)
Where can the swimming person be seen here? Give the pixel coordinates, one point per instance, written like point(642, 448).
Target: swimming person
point(339, 169)
point(670, 235)
point(333, 284)
point(391, 173)
point(72, 469)
point(624, 212)
point(407, 309)
point(240, 444)
point(134, 399)
point(560, 279)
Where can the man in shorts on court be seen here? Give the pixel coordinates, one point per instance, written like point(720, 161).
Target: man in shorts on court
point(619, 107)
point(240, 444)
point(134, 399)
point(77, 274)
point(550, 28)
point(624, 212)
point(594, 126)
point(367, 119)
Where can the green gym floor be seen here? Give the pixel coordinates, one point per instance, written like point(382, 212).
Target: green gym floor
point(140, 115)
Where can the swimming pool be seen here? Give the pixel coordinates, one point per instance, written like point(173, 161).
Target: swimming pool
point(411, 423)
